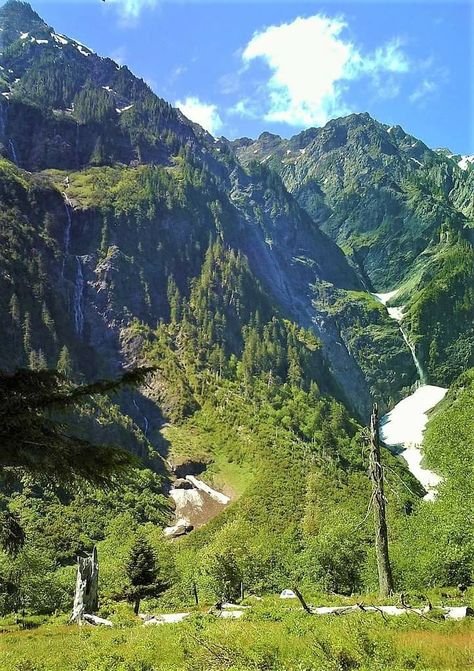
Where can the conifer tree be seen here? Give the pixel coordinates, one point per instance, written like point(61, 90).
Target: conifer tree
point(15, 309)
point(33, 442)
point(142, 573)
point(65, 365)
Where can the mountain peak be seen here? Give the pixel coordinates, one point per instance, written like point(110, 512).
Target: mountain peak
point(18, 18)
point(16, 8)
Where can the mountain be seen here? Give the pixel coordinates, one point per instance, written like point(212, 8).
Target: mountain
point(402, 214)
point(244, 272)
point(134, 190)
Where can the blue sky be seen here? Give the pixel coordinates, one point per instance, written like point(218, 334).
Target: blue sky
point(240, 68)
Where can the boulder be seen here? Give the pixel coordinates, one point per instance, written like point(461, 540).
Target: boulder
point(287, 594)
point(181, 483)
point(178, 530)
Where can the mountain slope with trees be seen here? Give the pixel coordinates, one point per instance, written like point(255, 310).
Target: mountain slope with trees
point(241, 273)
point(402, 214)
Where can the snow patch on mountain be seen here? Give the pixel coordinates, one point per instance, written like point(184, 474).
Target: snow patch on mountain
point(404, 426)
point(82, 50)
point(384, 298)
point(396, 313)
point(465, 162)
point(407, 421)
point(59, 38)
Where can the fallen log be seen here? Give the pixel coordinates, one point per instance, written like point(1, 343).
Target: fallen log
point(97, 621)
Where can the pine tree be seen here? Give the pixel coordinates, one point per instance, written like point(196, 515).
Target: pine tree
point(174, 300)
point(15, 309)
point(142, 573)
point(47, 319)
point(35, 443)
point(27, 335)
point(65, 365)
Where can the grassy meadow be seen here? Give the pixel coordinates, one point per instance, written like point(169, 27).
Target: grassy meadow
point(273, 635)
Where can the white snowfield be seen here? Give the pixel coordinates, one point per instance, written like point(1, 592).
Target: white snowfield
point(407, 421)
point(465, 161)
point(384, 298)
point(191, 500)
point(404, 425)
point(217, 496)
point(396, 313)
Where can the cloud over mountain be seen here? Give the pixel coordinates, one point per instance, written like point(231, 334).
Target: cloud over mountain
point(311, 63)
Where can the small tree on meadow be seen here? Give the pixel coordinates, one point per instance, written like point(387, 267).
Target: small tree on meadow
point(142, 573)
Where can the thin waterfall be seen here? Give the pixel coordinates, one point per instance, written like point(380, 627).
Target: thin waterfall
point(11, 144)
point(67, 230)
point(419, 369)
point(397, 314)
point(78, 301)
point(145, 418)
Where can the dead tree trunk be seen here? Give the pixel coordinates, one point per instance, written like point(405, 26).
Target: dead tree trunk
point(86, 599)
point(302, 601)
point(378, 499)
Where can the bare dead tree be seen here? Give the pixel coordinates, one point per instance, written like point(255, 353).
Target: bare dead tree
point(86, 599)
point(378, 498)
point(302, 601)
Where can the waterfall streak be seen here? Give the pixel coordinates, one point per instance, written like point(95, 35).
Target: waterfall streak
point(11, 144)
point(419, 369)
point(145, 418)
point(67, 231)
point(78, 300)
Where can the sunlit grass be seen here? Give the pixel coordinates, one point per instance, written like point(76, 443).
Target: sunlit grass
point(275, 635)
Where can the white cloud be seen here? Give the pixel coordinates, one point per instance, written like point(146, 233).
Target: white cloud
point(205, 114)
point(425, 89)
point(312, 64)
point(132, 8)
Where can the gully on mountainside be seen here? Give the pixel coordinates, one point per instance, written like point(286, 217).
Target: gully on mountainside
point(405, 423)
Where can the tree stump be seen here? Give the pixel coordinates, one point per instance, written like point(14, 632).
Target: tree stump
point(86, 598)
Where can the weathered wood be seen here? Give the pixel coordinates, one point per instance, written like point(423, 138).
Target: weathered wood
point(97, 621)
point(86, 598)
point(302, 601)
point(378, 500)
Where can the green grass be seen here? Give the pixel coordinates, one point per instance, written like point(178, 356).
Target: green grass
point(191, 442)
point(272, 637)
point(228, 475)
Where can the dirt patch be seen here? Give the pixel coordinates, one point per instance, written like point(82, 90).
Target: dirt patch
point(195, 507)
